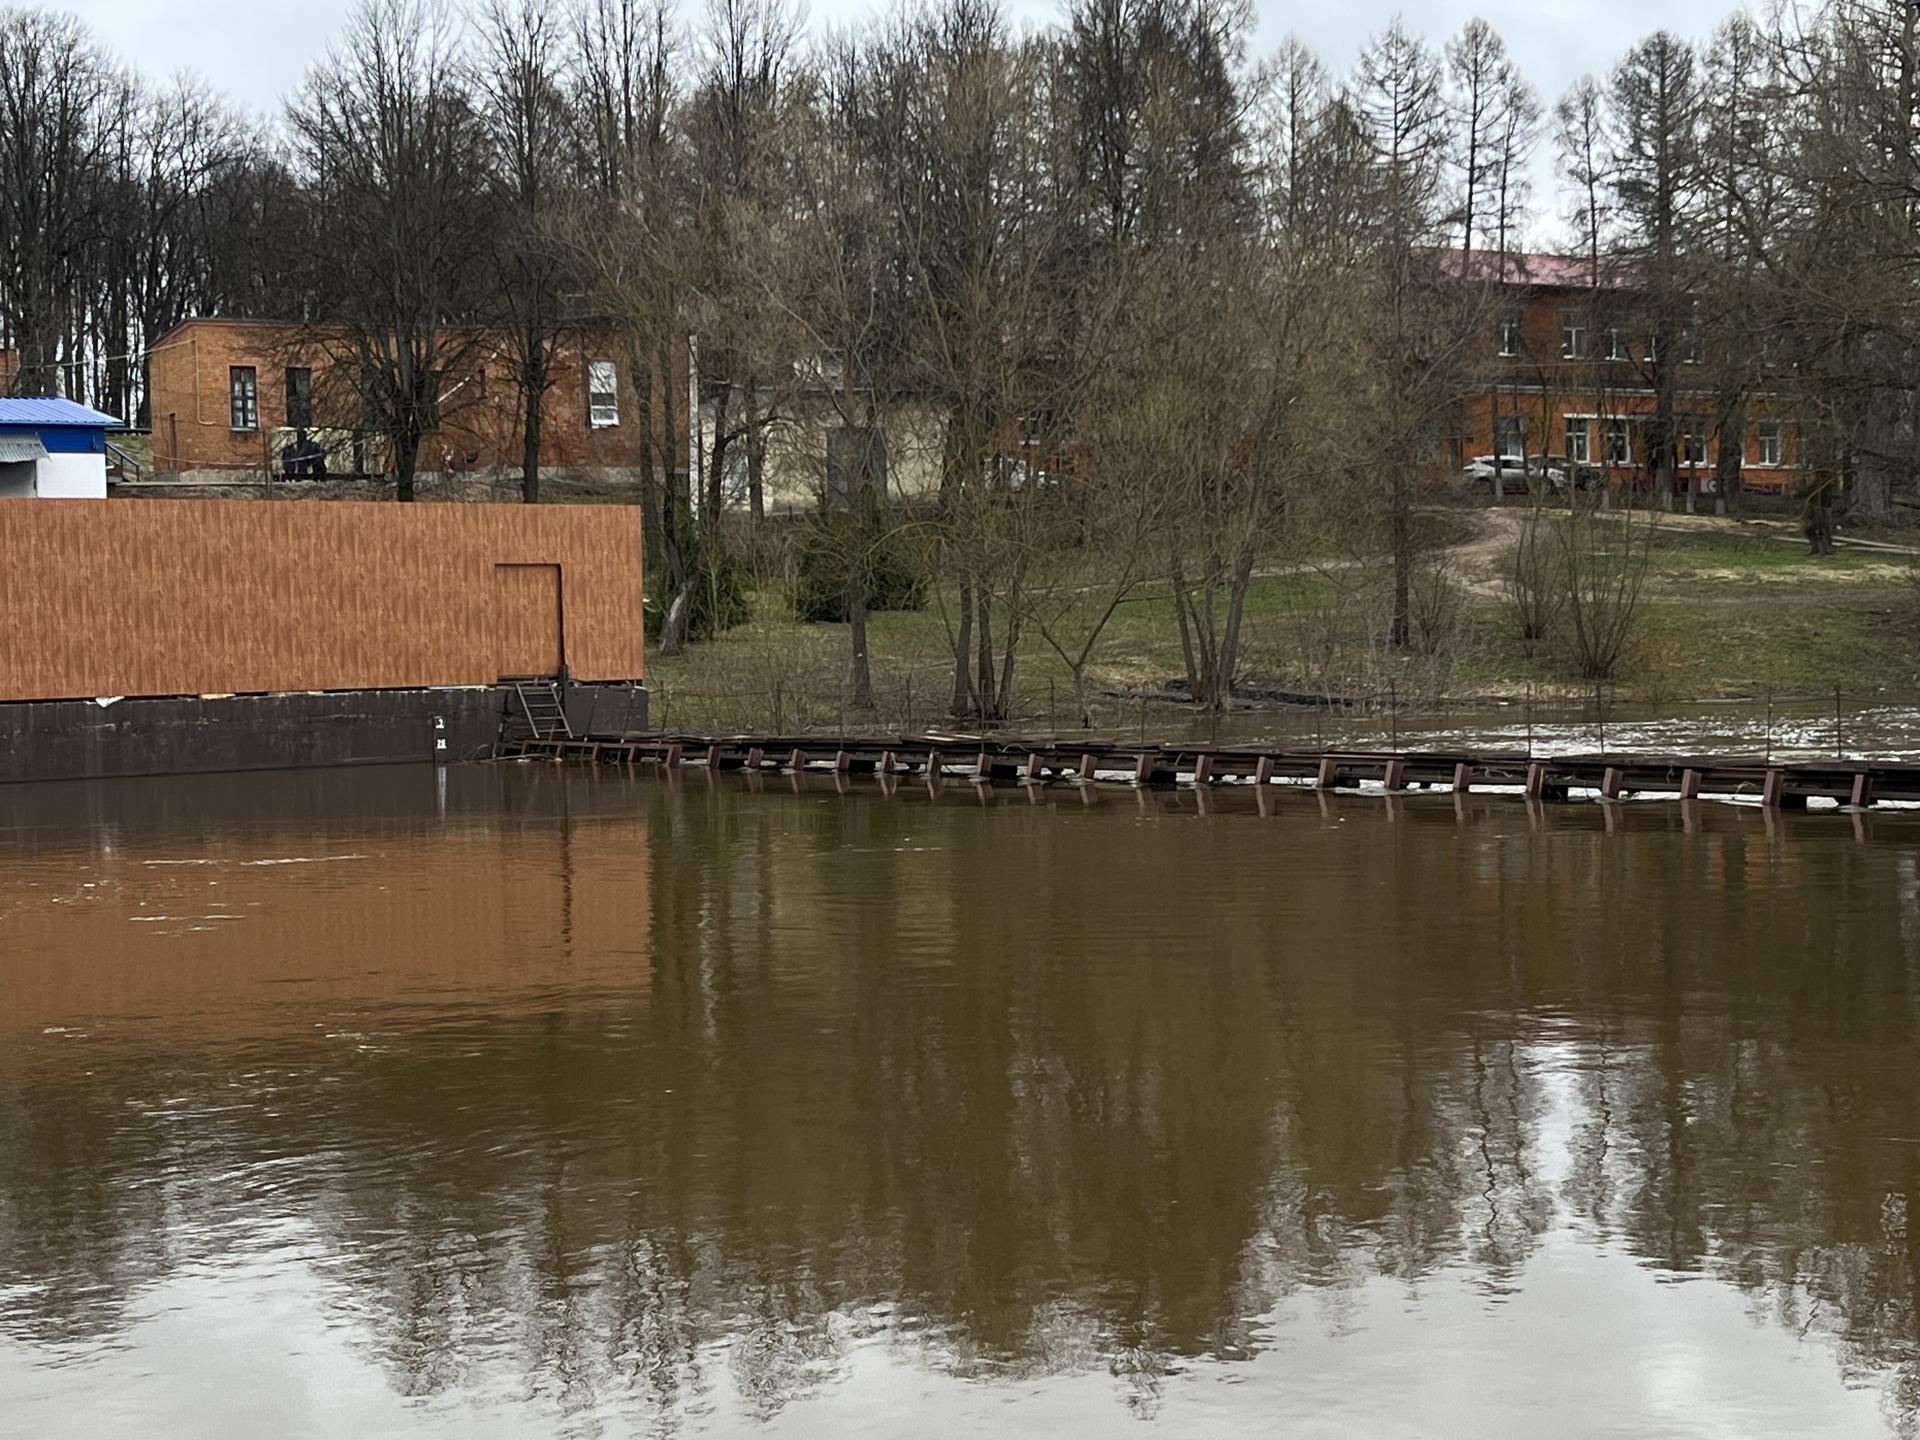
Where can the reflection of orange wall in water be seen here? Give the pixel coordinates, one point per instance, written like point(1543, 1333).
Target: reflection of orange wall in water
point(239, 935)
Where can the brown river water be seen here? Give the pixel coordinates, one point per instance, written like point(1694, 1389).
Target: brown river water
point(507, 1101)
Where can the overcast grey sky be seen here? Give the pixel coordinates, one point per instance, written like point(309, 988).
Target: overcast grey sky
point(257, 50)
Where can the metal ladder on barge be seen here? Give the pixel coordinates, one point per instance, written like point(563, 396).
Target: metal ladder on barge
point(533, 716)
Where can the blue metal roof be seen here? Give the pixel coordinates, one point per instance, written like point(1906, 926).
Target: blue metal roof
point(47, 410)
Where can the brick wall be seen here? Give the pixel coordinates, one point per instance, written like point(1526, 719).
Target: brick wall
point(191, 369)
point(1541, 387)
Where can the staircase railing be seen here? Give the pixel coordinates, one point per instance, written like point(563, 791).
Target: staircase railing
point(124, 462)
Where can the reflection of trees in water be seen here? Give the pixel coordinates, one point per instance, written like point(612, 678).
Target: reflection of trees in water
point(1033, 1097)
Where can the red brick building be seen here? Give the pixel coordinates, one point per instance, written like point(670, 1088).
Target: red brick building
point(1573, 374)
point(245, 396)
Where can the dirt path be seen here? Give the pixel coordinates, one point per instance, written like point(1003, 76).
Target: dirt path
point(1478, 559)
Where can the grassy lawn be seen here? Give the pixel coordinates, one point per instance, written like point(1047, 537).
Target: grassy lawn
point(1761, 553)
point(1730, 612)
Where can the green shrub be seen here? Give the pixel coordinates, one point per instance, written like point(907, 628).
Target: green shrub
point(831, 549)
point(719, 600)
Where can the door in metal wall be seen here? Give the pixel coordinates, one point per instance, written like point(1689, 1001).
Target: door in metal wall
point(529, 630)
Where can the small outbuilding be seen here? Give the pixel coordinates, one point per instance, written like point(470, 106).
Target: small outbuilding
point(52, 449)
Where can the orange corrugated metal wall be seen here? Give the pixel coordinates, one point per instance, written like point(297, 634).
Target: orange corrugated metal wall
point(194, 597)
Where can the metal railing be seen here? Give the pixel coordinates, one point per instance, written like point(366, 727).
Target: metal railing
point(123, 462)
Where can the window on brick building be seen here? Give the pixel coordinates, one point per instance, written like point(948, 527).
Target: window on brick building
point(299, 397)
point(1619, 443)
point(1506, 437)
point(1573, 334)
point(603, 395)
point(1616, 344)
point(1694, 442)
point(1510, 336)
point(1579, 439)
point(1770, 444)
point(1653, 349)
point(243, 397)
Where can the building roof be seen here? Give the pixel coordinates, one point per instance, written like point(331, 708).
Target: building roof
point(1542, 270)
point(49, 410)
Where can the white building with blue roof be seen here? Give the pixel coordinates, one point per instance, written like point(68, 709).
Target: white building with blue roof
point(52, 449)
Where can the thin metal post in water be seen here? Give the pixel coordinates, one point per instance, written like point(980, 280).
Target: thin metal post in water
point(1769, 724)
point(1839, 730)
point(1393, 716)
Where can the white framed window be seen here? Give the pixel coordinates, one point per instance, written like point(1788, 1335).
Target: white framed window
point(1770, 444)
point(1619, 442)
point(603, 395)
point(1507, 442)
point(243, 397)
point(1694, 442)
point(1616, 344)
point(1579, 439)
point(1692, 351)
point(1653, 349)
point(1509, 336)
point(1573, 334)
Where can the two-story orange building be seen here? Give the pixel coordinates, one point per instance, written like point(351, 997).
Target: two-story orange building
point(1573, 370)
point(232, 397)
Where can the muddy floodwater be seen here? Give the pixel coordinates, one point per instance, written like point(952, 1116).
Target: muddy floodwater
point(507, 1101)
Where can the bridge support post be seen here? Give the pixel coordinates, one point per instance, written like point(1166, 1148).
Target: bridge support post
point(1690, 785)
point(1263, 772)
point(1862, 794)
point(1203, 770)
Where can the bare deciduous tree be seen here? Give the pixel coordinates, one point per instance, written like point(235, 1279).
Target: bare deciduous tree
point(387, 133)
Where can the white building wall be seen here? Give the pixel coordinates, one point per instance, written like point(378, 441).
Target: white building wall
point(73, 477)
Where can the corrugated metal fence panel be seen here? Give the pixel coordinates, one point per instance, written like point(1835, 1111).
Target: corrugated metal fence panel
point(116, 597)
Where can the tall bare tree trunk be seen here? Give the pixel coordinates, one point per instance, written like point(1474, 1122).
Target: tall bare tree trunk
point(1400, 538)
point(860, 672)
point(963, 656)
point(533, 392)
point(756, 456)
point(1731, 454)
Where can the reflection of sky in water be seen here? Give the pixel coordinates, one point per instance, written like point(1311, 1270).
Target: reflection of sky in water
point(594, 1105)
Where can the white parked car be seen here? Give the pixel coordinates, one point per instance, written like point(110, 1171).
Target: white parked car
point(1513, 471)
